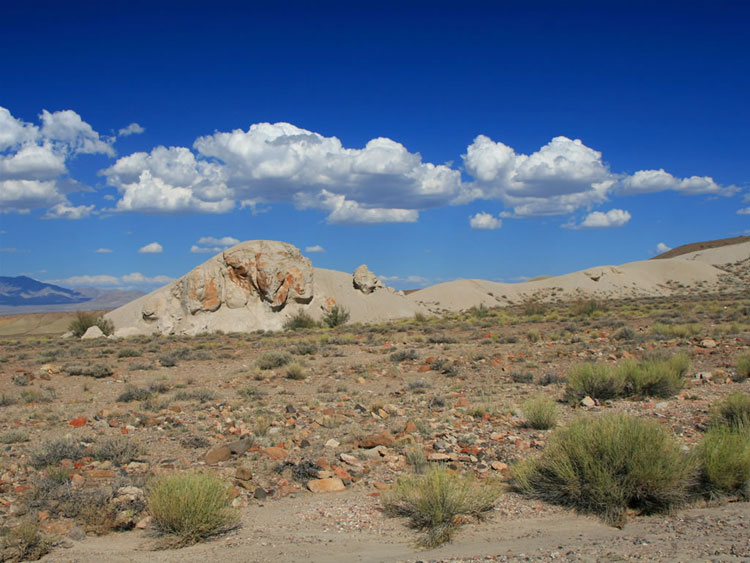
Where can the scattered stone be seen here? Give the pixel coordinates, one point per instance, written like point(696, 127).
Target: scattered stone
point(243, 474)
point(239, 447)
point(365, 281)
point(333, 484)
point(92, 332)
point(275, 453)
point(383, 438)
point(217, 455)
point(588, 402)
point(332, 444)
point(708, 343)
point(438, 457)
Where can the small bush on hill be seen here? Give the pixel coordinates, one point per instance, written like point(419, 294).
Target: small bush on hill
point(434, 501)
point(336, 316)
point(597, 381)
point(743, 368)
point(607, 465)
point(271, 360)
point(724, 457)
point(539, 413)
point(299, 321)
point(190, 507)
point(84, 321)
point(733, 412)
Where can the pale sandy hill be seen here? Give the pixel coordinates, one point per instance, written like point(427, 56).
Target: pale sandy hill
point(644, 278)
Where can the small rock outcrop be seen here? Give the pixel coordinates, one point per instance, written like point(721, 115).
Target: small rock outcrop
point(365, 281)
point(92, 332)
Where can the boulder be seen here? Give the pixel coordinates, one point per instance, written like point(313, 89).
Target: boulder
point(92, 332)
point(365, 281)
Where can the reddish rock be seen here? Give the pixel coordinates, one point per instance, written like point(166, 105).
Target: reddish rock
point(331, 485)
point(274, 452)
point(222, 453)
point(243, 474)
point(342, 473)
point(384, 438)
point(410, 427)
point(78, 422)
point(101, 474)
point(424, 368)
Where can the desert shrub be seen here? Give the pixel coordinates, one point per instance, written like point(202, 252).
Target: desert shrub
point(654, 378)
point(25, 542)
point(742, 368)
point(677, 330)
point(607, 465)
point(53, 452)
point(479, 311)
point(14, 436)
point(539, 413)
point(533, 335)
point(550, 378)
point(128, 353)
point(84, 321)
point(299, 321)
point(33, 396)
point(733, 412)
point(336, 316)
point(532, 307)
point(586, 307)
point(597, 381)
point(131, 394)
point(625, 333)
point(168, 360)
point(201, 395)
point(271, 360)
point(190, 507)
point(522, 377)
point(724, 461)
point(404, 355)
point(416, 459)
point(89, 370)
point(304, 348)
point(434, 501)
point(295, 371)
point(117, 450)
point(7, 400)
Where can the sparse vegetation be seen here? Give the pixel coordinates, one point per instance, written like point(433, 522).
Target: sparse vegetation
point(295, 371)
point(53, 452)
point(742, 369)
point(434, 501)
point(607, 465)
point(84, 321)
point(597, 381)
point(336, 316)
point(190, 507)
point(271, 360)
point(301, 320)
point(724, 457)
point(404, 355)
point(733, 412)
point(25, 542)
point(539, 413)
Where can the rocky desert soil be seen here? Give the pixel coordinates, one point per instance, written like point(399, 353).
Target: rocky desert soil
point(85, 424)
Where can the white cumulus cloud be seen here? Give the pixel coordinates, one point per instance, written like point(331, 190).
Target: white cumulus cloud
point(601, 220)
point(151, 248)
point(106, 280)
point(33, 162)
point(216, 245)
point(315, 248)
point(661, 248)
point(103, 250)
point(744, 211)
point(132, 129)
point(484, 222)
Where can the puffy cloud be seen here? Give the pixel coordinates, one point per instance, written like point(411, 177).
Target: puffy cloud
point(405, 280)
point(661, 248)
point(646, 181)
point(223, 241)
point(64, 210)
point(484, 221)
point(561, 177)
point(744, 211)
point(169, 180)
point(315, 248)
point(33, 171)
point(103, 250)
point(281, 163)
point(600, 220)
point(132, 129)
point(219, 244)
point(151, 248)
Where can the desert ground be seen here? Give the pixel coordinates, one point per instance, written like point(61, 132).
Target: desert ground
point(356, 404)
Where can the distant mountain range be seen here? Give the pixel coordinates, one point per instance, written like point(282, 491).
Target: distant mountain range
point(22, 294)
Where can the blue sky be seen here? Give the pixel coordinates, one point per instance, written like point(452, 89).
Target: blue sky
point(430, 140)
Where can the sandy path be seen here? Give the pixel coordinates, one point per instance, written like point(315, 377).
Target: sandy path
point(348, 527)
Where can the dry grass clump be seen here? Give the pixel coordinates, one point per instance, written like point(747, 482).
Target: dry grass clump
point(435, 501)
point(271, 360)
point(687, 330)
point(118, 450)
point(733, 412)
point(608, 465)
point(295, 371)
point(539, 413)
point(190, 507)
point(724, 458)
point(300, 321)
point(742, 368)
point(53, 452)
point(96, 371)
point(25, 542)
point(597, 381)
